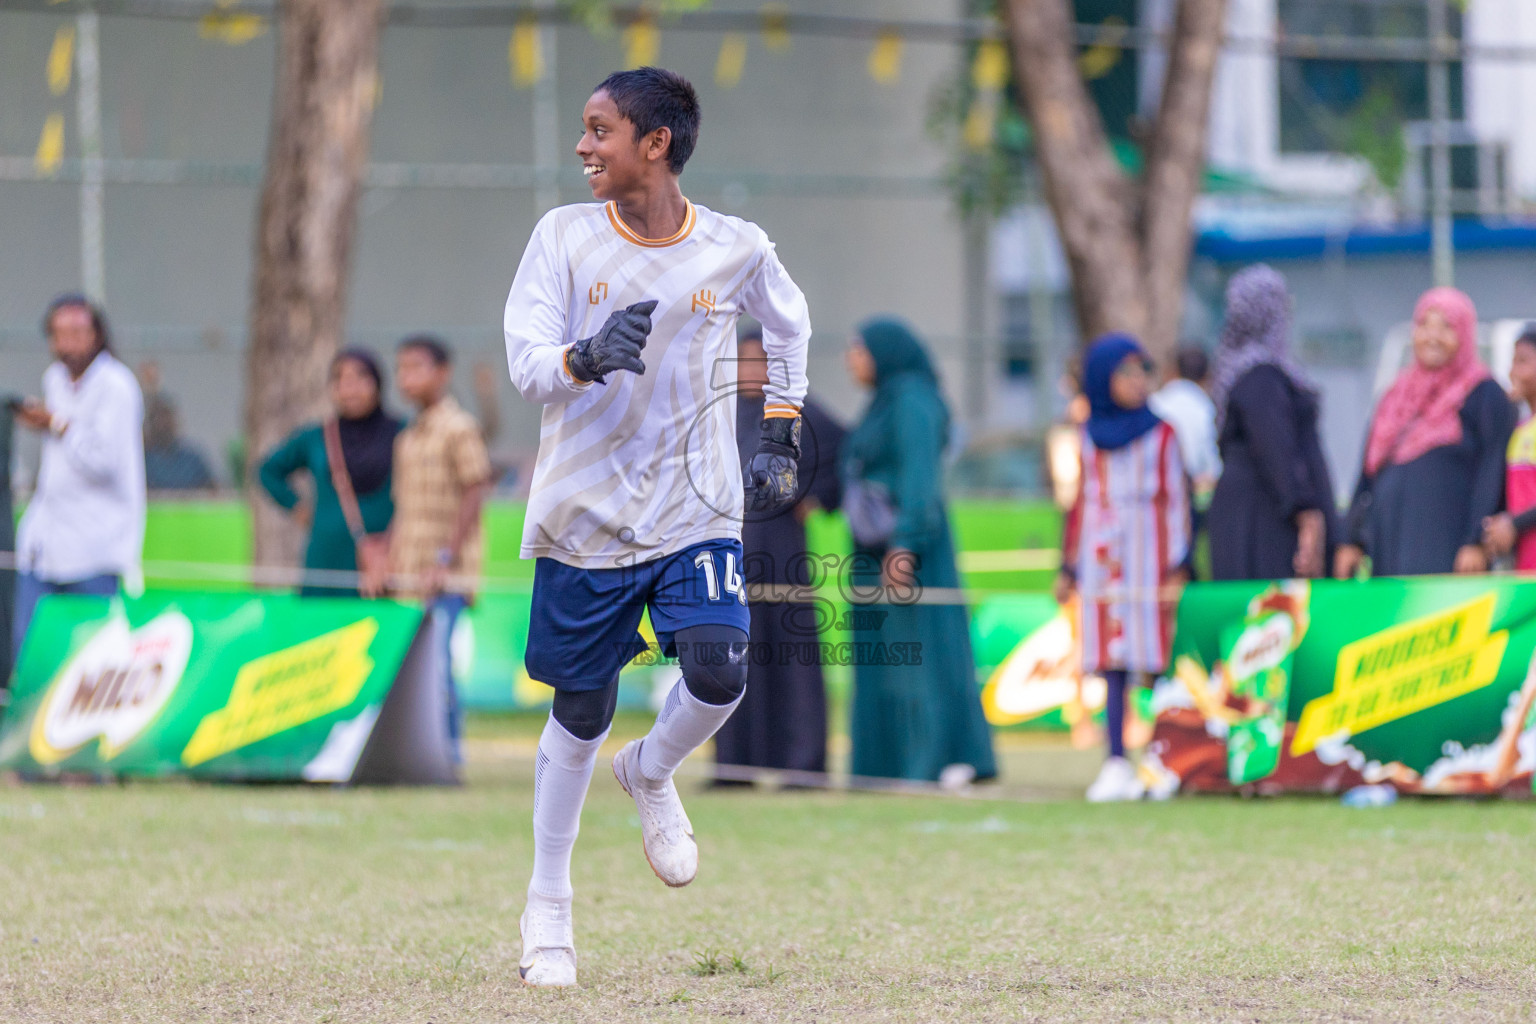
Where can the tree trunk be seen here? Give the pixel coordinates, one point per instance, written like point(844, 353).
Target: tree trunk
point(1175, 166)
point(322, 108)
point(1083, 186)
point(1128, 273)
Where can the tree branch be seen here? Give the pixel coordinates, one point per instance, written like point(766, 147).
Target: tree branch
point(1175, 167)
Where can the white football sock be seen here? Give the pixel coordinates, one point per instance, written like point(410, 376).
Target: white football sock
point(684, 725)
point(560, 779)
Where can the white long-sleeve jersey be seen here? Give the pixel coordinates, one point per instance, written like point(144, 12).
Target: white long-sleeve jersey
point(645, 465)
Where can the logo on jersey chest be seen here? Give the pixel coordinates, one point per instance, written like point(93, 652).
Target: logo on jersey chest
point(704, 299)
point(598, 293)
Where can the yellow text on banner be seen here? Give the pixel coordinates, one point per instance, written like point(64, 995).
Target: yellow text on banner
point(1404, 670)
point(285, 689)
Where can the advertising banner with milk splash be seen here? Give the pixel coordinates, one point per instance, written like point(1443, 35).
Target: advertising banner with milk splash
point(227, 686)
point(1426, 684)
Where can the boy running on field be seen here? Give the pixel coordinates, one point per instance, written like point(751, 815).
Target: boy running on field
point(619, 315)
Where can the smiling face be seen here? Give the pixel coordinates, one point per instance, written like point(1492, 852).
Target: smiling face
point(1434, 340)
point(615, 162)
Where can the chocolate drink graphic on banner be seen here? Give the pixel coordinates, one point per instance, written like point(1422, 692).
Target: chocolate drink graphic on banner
point(1425, 684)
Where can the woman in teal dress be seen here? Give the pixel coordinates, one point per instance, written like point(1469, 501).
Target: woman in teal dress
point(916, 705)
point(367, 436)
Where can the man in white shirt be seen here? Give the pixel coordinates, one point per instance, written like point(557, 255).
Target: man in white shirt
point(83, 531)
point(1183, 404)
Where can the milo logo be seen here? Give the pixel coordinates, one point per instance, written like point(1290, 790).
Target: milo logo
point(113, 687)
point(1261, 646)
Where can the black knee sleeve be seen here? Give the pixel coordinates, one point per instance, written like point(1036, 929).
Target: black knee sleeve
point(588, 713)
point(714, 660)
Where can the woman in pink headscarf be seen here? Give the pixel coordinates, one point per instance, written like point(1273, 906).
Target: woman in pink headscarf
point(1434, 458)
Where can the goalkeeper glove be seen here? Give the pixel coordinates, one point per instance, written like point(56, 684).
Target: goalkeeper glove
point(772, 478)
point(615, 347)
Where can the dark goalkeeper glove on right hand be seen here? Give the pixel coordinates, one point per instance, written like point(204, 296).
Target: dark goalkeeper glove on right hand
point(772, 478)
point(615, 347)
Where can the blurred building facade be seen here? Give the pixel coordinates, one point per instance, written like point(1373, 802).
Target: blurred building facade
point(824, 139)
point(798, 135)
point(1320, 167)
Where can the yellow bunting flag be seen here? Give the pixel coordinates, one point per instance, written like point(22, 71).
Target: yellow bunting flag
point(1100, 58)
point(642, 42)
point(775, 27)
point(61, 60)
point(981, 121)
point(989, 71)
point(524, 54)
point(885, 58)
point(732, 60)
point(225, 25)
point(50, 147)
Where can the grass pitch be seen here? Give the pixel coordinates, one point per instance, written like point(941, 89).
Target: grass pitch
point(175, 902)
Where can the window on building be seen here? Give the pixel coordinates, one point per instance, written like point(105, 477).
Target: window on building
point(1358, 106)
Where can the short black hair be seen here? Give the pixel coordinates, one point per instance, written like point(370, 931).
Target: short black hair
point(654, 98)
point(435, 348)
point(75, 300)
point(1527, 333)
point(1193, 364)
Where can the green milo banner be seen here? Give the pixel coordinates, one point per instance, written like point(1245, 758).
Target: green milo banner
point(228, 686)
point(1424, 684)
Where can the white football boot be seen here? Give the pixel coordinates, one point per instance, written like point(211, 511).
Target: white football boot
point(1117, 781)
point(665, 830)
point(549, 943)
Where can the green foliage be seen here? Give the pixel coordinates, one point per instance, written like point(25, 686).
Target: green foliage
point(987, 181)
point(598, 14)
point(1374, 131)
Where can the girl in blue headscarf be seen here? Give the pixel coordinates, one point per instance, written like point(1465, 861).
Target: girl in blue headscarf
point(916, 705)
point(1126, 540)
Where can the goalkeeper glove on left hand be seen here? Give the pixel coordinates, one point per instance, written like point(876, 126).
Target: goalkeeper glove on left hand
point(772, 478)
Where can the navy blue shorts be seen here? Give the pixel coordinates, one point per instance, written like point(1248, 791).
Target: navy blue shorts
point(585, 622)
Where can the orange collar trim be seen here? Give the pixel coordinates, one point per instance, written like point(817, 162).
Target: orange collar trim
point(689, 219)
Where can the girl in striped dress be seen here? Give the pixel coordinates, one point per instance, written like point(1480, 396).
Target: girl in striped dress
point(1126, 540)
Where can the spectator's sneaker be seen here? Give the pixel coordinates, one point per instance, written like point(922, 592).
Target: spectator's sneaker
point(1117, 781)
point(549, 943)
point(665, 830)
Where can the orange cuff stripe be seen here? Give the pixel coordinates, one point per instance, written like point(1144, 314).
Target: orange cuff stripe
point(777, 412)
point(565, 360)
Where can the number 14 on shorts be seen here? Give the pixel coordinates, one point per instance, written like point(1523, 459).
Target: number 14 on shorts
point(705, 560)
